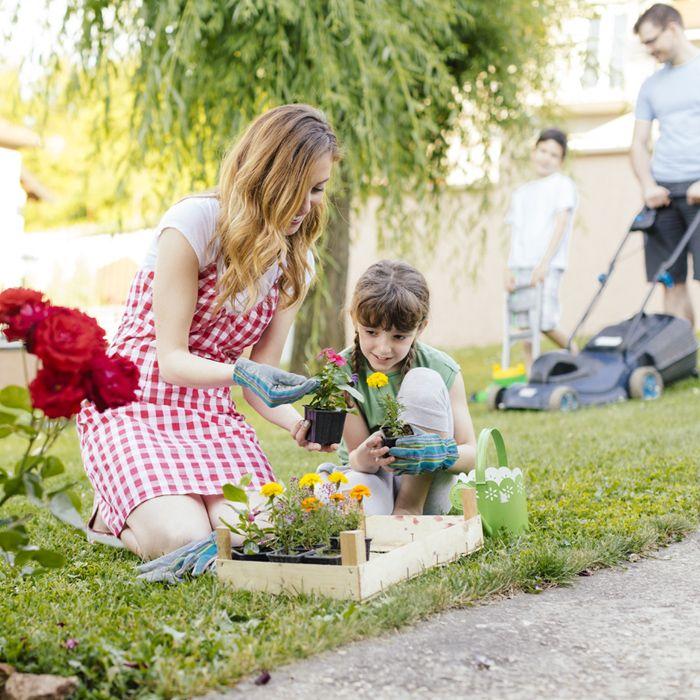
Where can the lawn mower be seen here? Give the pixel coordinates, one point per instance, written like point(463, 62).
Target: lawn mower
point(635, 358)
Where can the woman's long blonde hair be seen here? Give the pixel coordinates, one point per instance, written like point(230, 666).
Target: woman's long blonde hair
point(264, 179)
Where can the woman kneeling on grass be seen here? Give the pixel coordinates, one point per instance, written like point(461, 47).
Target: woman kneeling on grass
point(226, 272)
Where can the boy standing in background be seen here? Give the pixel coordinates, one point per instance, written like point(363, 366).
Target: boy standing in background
point(541, 219)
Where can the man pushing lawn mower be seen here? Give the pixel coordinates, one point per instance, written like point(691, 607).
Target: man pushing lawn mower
point(670, 180)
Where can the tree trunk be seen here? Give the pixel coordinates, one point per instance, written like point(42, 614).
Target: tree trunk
point(321, 321)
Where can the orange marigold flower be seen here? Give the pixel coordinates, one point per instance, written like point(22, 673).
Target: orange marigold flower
point(359, 492)
point(310, 503)
point(337, 497)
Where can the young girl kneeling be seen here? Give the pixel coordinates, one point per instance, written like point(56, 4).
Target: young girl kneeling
point(389, 310)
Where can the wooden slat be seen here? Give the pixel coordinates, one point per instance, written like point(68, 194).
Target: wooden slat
point(469, 508)
point(390, 531)
point(340, 582)
point(405, 562)
point(352, 547)
point(223, 542)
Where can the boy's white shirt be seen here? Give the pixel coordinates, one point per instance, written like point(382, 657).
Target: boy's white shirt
point(533, 210)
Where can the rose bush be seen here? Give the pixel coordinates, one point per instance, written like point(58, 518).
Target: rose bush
point(75, 367)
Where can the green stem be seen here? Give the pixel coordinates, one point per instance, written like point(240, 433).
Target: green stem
point(30, 444)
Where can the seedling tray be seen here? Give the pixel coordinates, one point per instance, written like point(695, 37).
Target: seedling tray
point(402, 547)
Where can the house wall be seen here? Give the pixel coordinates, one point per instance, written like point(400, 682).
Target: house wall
point(468, 310)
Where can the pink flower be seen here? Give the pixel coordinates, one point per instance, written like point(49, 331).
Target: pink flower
point(330, 355)
point(71, 643)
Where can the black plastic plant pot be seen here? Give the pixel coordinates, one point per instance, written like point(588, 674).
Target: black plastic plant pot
point(390, 441)
point(326, 426)
point(335, 544)
point(328, 557)
point(258, 556)
point(284, 557)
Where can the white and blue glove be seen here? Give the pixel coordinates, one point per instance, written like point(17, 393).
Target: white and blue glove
point(191, 560)
point(425, 452)
point(273, 385)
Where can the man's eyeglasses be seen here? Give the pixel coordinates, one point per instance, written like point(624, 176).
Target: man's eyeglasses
point(652, 41)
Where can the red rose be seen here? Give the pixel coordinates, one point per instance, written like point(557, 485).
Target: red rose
point(12, 299)
point(111, 382)
point(21, 309)
point(57, 394)
point(68, 339)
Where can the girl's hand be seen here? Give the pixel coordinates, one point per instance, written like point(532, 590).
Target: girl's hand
point(370, 455)
point(298, 432)
point(426, 452)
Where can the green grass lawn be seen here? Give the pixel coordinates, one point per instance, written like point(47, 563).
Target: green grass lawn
point(602, 483)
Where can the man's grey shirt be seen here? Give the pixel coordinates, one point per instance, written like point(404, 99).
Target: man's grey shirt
point(672, 96)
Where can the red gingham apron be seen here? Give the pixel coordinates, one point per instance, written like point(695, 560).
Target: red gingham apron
point(174, 440)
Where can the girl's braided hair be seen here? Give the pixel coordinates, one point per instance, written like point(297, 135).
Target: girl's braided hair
point(389, 294)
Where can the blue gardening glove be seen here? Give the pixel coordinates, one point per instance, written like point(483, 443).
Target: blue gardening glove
point(426, 452)
point(194, 559)
point(273, 385)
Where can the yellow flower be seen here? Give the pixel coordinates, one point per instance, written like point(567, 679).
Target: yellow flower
point(377, 380)
point(337, 497)
point(310, 503)
point(271, 489)
point(310, 479)
point(337, 478)
point(359, 492)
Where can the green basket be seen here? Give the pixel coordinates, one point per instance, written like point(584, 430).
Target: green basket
point(500, 492)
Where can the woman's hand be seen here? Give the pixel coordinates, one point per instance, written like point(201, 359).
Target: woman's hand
point(271, 384)
point(298, 432)
point(370, 455)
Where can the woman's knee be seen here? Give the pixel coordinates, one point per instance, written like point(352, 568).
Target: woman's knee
point(167, 523)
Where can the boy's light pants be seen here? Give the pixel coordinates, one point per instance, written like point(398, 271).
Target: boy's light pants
point(427, 408)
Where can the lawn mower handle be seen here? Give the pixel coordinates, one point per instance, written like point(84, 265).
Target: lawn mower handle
point(662, 275)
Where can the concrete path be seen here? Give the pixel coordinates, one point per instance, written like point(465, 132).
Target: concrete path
point(632, 632)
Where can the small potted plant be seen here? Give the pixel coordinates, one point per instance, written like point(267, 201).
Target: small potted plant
point(392, 426)
point(257, 538)
point(327, 410)
point(348, 510)
point(294, 522)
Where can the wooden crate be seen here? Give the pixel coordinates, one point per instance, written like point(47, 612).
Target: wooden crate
point(402, 547)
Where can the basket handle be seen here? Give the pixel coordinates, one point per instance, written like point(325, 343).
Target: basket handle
point(481, 447)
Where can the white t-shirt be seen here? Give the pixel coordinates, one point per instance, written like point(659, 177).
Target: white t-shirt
point(195, 218)
point(533, 209)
